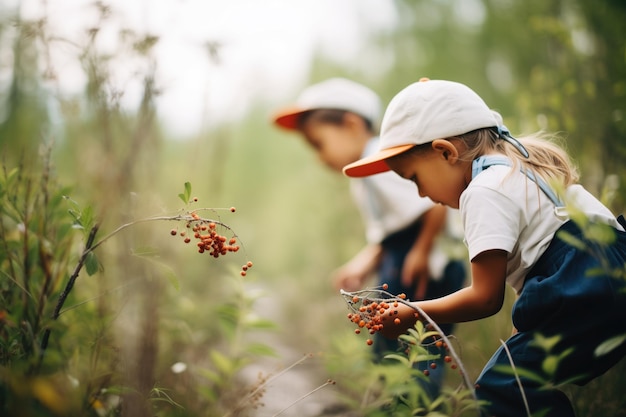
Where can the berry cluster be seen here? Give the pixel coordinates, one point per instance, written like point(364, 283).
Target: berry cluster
point(372, 309)
point(208, 238)
point(372, 315)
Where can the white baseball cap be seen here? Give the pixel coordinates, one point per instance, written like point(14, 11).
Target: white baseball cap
point(421, 113)
point(334, 93)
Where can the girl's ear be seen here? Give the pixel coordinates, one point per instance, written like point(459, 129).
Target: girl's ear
point(446, 149)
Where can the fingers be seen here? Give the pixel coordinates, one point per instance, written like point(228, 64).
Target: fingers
point(422, 286)
point(418, 278)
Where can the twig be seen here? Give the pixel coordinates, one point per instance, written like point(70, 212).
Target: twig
point(519, 381)
point(178, 217)
point(265, 383)
point(328, 382)
point(90, 246)
point(70, 284)
point(72, 307)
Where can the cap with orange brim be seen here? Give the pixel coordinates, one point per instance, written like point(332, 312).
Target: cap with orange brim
point(374, 164)
point(288, 117)
point(421, 113)
point(334, 93)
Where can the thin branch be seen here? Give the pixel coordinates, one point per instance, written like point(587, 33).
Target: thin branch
point(519, 382)
point(107, 292)
point(328, 382)
point(266, 383)
point(90, 246)
point(178, 217)
point(70, 284)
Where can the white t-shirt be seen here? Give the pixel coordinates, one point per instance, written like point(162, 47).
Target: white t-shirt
point(508, 211)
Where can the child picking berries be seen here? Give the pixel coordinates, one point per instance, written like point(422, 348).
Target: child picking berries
point(442, 136)
point(339, 119)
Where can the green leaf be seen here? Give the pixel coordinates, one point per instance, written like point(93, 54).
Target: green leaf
point(427, 357)
point(608, 345)
point(262, 324)
point(601, 233)
point(408, 338)
point(186, 195)
point(87, 218)
point(416, 333)
point(546, 343)
point(76, 216)
point(221, 362)
point(571, 240)
point(550, 364)
point(210, 375)
point(508, 370)
point(394, 356)
point(92, 265)
point(146, 251)
point(430, 334)
point(595, 272)
point(260, 349)
point(439, 401)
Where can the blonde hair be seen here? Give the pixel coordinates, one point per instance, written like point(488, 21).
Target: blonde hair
point(546, 160)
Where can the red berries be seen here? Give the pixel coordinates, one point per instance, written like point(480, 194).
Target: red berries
point(371, 311)
point(371, 315)
point(208, 238)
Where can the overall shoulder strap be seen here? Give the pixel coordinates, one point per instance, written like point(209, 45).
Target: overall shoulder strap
point(483, 162)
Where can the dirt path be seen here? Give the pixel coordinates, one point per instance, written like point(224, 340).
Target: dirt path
point(290, 392)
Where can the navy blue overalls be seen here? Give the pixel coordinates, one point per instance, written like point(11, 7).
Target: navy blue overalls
point(558, 299)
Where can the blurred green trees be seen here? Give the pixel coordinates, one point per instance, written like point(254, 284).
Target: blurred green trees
point(551, 65)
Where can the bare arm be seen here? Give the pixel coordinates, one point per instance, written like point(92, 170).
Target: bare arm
point(415, 268)
point(483, 298)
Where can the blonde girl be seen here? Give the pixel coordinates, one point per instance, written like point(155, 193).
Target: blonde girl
point(510, 193)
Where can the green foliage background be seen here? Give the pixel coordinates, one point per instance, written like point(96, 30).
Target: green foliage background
point(558, 65)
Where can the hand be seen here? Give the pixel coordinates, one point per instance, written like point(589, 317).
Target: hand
point(349, 278)
point(415, 270)
point(407, 316)
point(354, 273)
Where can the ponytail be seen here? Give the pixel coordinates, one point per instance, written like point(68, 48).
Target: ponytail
point(546, 159)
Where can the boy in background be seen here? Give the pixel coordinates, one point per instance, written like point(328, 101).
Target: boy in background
point(405, 232)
